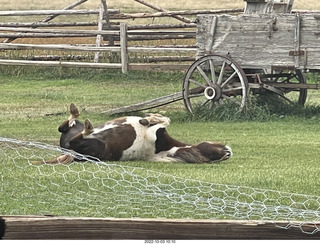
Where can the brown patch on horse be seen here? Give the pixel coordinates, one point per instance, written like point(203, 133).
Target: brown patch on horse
point(165, 142)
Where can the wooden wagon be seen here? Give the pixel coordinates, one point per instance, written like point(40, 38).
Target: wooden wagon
point(266, 49)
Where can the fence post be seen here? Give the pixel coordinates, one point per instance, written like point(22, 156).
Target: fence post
point(98, 38)
point(123, 47)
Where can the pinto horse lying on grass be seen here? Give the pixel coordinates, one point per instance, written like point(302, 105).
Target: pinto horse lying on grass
point(133, 138)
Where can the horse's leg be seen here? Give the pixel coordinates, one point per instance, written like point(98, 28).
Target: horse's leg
point(88, 128)
point(157, 119)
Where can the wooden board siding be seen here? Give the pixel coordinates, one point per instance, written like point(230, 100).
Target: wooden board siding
point(42, 227)
point(262, 41)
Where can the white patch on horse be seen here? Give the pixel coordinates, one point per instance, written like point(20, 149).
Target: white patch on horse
point(143, 147)
point(168, 156)
point(137, 150)
point(106, 127)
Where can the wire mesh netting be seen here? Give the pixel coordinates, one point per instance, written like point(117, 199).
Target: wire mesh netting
point(91, 188)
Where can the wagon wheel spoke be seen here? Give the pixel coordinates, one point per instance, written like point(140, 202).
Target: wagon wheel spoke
point(198, 83)
point(214, 80)
point(213, 74)
point(196, 95)
point(205, 102)
point(234, 89)
point(221, 73)
point(228, 80)
point(294, 92)
point(204, 75)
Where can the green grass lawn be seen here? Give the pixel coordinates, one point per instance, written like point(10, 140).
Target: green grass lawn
point(278, 152)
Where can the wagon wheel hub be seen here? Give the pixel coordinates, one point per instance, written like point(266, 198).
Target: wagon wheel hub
point(213, 92)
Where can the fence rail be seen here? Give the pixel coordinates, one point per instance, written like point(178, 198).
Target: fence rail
point(42, 227)
point(52, 12)
point(123, 35)
point(118, 35)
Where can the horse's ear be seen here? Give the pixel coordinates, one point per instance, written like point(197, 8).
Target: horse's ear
point(74, 111)
point(64, 127)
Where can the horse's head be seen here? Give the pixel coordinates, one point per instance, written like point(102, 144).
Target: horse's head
point(70, 127)
point(214, 151)
point(204, 152)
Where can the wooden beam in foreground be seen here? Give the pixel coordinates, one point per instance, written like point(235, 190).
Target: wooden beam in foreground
point(42, 227)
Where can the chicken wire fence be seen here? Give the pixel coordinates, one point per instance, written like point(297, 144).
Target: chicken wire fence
point(99, 189)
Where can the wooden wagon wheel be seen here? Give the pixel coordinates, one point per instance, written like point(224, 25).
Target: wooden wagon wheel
point(288, 84)
point(213, 80)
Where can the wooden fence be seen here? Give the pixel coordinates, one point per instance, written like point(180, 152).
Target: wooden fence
point(46, 227)
point(118, 36)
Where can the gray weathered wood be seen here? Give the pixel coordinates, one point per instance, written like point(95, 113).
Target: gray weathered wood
point(262, 41)
point(268, 6)
point(153, 103)
point(164, 67)
point(163, 49)
point(60, 31)
point(52, 12)
point(50, 17)
point(59, 47)
point(60, 64)
point(46, 228)
point(183, 19)
point(100, 25)
point(296, 40)
point(46, 24)
point(123, 45)
point(173, 13)
point(66, 47)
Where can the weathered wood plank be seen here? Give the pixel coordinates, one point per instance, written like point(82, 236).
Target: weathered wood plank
point(52, 12)
point(262, 41)
point(46, 24)
point(162, 49)
point(124, 49)
point(183, 19)
point(173, 13)
point(268, 6)
point(100, 25)
point(153, 103)
point(33, 227)
point(61, 31)
point(165, 67)
point(66, 47)
point(59, 47)
point(49, 18)
point(60, 64)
